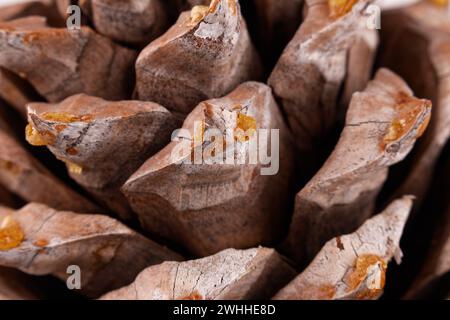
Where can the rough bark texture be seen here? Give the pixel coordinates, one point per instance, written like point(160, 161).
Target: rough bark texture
point(129, 21)
point(382, 125)
point(207, 206)
point(60, 63)
point(353, 266)
point(39, 240)
point(101, 142)
point(206, 54)
point(228, 275)
point(312, 69)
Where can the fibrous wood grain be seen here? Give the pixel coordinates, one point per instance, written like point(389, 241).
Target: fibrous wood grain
point(228, 275)
point(60, 63)
point(313, 68)
point(353, 266)
point(39, 240)
point(210, 204)
point(206, 54)
point(101, 142)
point(383, 123)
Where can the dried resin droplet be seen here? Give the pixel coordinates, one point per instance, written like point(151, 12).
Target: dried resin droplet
point(442, 3)
point(382, 126)
point(409, 111)
point(54, 239)
point(193, 296)
point(370, 269)
point(233, 7)
point(33, 137)
point(213, 5)
point(358, 271)
point(11, 235)
point(72, 151)
point(245, 127)
point(216, 175)
point(74, 168)
point(103, 142)
point(326, 292)
point(65, 117)
point(41, 243)
point(199, 133)
point(198, 13)
point(339, 8)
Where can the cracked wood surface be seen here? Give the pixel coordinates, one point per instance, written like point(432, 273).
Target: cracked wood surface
point(209, 206)
point(383, 123)
point(129, 21)
point(353, 266)
point(101, 246)
point(206, 54)
point(313, 68)
point(228, 275)
point(60, 63)
point(102, 143)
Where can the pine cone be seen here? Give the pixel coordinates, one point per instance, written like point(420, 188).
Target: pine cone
point(224, 149)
